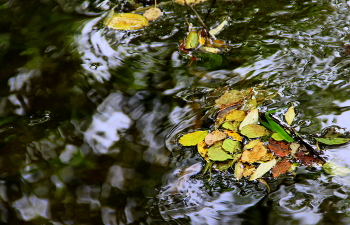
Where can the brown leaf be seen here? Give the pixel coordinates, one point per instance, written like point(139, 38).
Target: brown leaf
point(248, 170)
point(305, 158)
point(214, 136)
point(281, 168)
point(255, 154)
point(203, 150)
point(234, 135)
point(279, 148)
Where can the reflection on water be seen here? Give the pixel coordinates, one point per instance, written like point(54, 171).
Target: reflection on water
point(89, 116)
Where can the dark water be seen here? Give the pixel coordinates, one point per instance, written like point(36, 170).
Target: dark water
point(89, 116)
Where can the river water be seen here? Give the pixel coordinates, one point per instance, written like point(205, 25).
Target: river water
point(90, 116)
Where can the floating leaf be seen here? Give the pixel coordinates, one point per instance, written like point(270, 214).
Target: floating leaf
point(209, 49)
point(126, 21)
point(290, 115)
point(234, 135)
point(251, 118)
point(254, 131)
point(216, 153)
point(277, 137)
point(203, 150)
point(239, 168)
point(236, 115)
point(233, 126)
point(231, 97)
point(333, 141)
point(262, 169)
point(229, 164)
point(252, 144)
point(217, 29)
point(193, 138)
point(277, 128)
point(248, 170)
point(267, 157)
point(305, 159)
point(231, 146)
point(152, 13)
point(214, 136)
point(189, 1)
point(279, 148)
point(281, 168)
point(191, 41)
point(294, 147)
point(334, 169)
point(255, 154)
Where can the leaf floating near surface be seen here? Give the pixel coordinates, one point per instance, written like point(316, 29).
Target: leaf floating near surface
point(231, 146)
point(254, 155)
point(254, 131)
point(290, 115)
point(281, 168)
point(193, 138)
point(126, 21)
point(216, 153)
point(152, 13)
point(214, 136)
point(334, 169)
point(333, 141)
point(279, 148)
point(251, 118)
point(262, 169)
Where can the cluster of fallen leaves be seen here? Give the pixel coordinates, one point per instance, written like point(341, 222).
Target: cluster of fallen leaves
point(242, 142)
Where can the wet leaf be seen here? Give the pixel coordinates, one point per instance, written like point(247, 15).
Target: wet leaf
point(290, 115)
point(189, 1)
point(277, 128)
point(234, 135)
point(252, 144)
point(334, 169)
point(216, 153)
point(152, 13)
point(255, 154)
point(248, 170)
point(281, 168)
point(231, 146)
point(262, 169)
point(217, 29)
point(126, 21)
point(191, 41)
point(254, 131)
point(229, 164)
point(267, 157)
point(193, 138)
point(236, 115)
point(209, 49)
point(294, 147)
point(203, 150)
point(333, 141)
point(279, 148)
point(233, 126)
point(231, 97)
point(251, 118)
point(214, 136)
point(305, 159)
point(239, 168)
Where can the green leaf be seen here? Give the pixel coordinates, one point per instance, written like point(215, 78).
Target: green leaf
point(277, 128)
point(233, 126)
point(277, 137)
point(216, 153)
point(231, 146)
point(333, 141)
point(254, 131)
point(193, 138)
point(333, 169)
point(262, 169)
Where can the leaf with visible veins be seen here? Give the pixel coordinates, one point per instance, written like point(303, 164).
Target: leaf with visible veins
point(279, 148)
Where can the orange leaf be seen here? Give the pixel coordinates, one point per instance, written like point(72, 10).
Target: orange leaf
point(255, 154)
point(203, 150)
point(305, 159)
point(281, 168)
point(214, 136)
point(234, 135)
point(279, 148)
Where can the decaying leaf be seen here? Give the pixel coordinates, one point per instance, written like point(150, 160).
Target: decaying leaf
point(281, 168)
point(254, 131)
point(126, 21)
point(216, 153)
point(267, 157)
point(234, 135)
point(214, 136)
point(152, 13)
point(255, 154)
point(203, 150)
point(193, 138)
point(233, 126)
point(279, 148)
point(251, 118)
point(290, 115)
point(294, 147)
point(236, 115)
point(231, 146)
point(334, 169)
point(248, 170)
point(231, 97)
point(251, 144)
point(262, 169)
point(333, 141)
point(304, 158)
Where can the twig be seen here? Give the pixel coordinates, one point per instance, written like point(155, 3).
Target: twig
point(199, 18)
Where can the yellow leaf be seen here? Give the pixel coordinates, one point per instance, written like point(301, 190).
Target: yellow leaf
point(254, 131)
point(189, 1)
point(255, 154)
point(234, 135)
point(214, 136)
point(239, 170)
point(248, 170)
point(290, 115)
point(193, 138)
point(209, 49)
point(252, 144)
point(262, 169)
point(236, 115)
point(126, 21)
point(217, 29)
point(152, 13)
point(251, 118)
point(231, 97)
point(203, 150)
